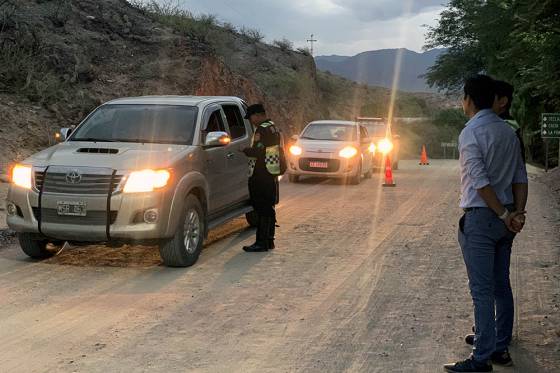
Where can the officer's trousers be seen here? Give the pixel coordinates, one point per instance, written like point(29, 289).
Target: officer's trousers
point(264, 193)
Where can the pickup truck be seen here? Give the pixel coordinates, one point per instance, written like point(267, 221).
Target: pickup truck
point(157, 170)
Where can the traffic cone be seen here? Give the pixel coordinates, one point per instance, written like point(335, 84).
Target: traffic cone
point(388, 174)
point(424, 157)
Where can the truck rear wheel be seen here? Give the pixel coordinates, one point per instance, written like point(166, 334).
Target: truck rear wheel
point(34, 247)
point(183, 249)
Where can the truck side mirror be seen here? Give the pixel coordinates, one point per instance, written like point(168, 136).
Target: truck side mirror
point(216, 139)
point(63, 134)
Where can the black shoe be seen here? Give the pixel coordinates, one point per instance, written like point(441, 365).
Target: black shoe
point(469, 365)
point(255, 248)
point(469, 339)
point(502, 358)
point(271, 245)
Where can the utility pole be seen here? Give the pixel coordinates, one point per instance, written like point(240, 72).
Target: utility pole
point(311, 41)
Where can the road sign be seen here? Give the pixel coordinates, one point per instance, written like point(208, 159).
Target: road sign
point(448, 144)
point(550, 126)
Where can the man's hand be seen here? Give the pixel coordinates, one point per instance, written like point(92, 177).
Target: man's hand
point(516, 221)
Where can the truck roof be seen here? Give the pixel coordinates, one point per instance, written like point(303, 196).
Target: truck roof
point(172, 100)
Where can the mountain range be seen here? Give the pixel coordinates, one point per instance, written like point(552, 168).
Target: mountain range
point(377, 67)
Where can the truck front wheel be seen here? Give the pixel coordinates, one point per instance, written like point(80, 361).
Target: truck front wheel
point(34, 247)
point(184, 248)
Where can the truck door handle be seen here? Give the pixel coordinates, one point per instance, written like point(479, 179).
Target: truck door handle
point(230, 155)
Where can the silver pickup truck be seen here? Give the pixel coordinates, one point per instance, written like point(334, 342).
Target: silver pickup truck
point(150, 170)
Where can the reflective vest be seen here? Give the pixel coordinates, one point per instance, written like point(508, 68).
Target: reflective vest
point(272, 155)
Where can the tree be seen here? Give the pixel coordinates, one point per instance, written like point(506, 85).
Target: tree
point(514, 40)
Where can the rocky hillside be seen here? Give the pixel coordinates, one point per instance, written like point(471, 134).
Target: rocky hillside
point(59, 59)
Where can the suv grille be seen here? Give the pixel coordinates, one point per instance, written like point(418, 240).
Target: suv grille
point(333, 164)
point(89, 184)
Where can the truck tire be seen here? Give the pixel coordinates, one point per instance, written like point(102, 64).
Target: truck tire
point(183, 249)
point(252, 218)
point(33, 247)
point(293, 178)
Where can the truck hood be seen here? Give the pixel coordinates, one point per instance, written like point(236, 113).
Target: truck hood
point(117, 156)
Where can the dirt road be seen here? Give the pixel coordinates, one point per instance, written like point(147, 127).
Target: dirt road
point(364, 279)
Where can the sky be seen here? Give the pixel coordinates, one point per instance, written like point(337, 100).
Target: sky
point(342, 27)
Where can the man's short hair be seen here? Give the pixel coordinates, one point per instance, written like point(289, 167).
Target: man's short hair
point(504, 89)
point(481, 89)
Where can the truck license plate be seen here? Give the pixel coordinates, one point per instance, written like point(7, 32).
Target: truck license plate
point(319, 164)
point(71, 208)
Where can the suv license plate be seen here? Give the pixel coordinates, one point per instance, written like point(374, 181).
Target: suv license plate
point(319, 164)
point(71, 208)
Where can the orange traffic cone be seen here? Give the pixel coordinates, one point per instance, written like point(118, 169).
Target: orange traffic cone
point(424, 157)
point(388, 174)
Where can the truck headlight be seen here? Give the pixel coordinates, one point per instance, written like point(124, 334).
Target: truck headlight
point(348, 152)
point(385, 146)
point(21, 176)
point(372, 148)
point(146, 181)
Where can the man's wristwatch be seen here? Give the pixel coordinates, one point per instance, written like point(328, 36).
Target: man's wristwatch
point(504, 215)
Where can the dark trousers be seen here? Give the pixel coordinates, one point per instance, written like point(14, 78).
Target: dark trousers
point(486, 245)
point(264, 193)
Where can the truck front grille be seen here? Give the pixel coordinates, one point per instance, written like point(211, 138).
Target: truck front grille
point(89, 184)
point(94, 218)
point(39, 179)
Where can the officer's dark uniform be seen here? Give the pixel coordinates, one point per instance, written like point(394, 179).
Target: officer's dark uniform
point(264, 168)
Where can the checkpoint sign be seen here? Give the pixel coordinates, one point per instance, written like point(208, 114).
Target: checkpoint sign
point(550, 126)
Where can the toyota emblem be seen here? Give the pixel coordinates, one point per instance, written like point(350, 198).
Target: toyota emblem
point(73, 177)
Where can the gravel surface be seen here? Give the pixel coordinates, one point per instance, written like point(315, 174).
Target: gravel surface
point(364, 279)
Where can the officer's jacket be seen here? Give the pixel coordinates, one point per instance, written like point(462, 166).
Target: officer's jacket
point(264, 153)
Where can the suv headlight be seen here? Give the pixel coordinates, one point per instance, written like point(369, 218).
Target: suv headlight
point(146, 181)
point(22, 176)
point(385, 146)
point(348, 152)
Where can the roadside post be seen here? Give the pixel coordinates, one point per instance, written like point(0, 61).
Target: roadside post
point(550, 129)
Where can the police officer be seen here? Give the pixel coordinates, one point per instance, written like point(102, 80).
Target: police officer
point(264, 169)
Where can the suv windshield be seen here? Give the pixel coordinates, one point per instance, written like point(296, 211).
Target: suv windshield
point(329, 131)
point(161, 124)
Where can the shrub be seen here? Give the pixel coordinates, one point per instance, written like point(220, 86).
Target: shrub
point(284, 44)
point(252, 35)
point(170, 14)
point(305, 51)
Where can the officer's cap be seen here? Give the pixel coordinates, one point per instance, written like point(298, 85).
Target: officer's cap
point(255, 109)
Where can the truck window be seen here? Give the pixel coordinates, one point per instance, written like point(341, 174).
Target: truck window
point(235, 121)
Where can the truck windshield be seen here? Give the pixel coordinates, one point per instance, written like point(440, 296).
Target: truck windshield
point(158, 124)
point(328, 131)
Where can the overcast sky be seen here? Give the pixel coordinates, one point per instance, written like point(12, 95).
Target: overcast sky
point(343, 27)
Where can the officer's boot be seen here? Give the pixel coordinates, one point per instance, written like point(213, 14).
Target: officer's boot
point(262, 238)
point(271, 233)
